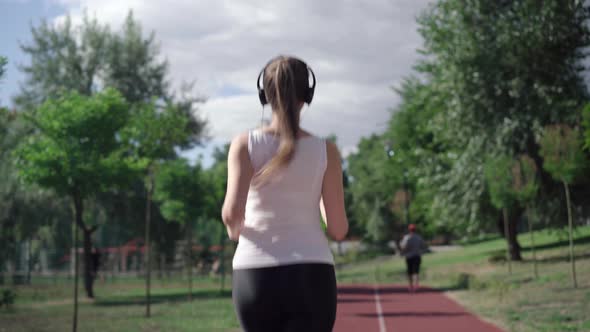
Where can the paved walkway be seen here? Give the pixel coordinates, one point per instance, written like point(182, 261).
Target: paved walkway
point(390, 308)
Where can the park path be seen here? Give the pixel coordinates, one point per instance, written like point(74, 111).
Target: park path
point(391, 308)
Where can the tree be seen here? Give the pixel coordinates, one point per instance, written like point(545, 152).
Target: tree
point(377, 227)
point(77, 153)
point(496, 78)
point(586, 115)
point(417, 156)
point(498, 173)
point(526, 186)
point(372, 183)
point(63, 58)
point(217, 176)
point(3, 62)
point(24, 209)
point(132, 64)
point(181, 190)
point(561, 148)
point(152, 136)
point(89, 57)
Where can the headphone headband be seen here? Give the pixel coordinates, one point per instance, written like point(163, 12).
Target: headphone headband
point(308, 95)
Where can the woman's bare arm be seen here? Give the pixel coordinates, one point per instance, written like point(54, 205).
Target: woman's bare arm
point(239, 175)
point(332, 203)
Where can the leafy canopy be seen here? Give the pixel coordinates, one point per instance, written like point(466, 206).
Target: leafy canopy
point(181, 190)
point(77, 149)
point(561, 148)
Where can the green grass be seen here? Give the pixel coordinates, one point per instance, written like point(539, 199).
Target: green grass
point(120, 306)
point(517, 302)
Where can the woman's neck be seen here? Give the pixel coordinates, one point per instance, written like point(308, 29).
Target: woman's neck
point(273, 128)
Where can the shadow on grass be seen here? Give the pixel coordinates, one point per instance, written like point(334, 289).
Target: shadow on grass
point(562, 258)
point(563, 243)
point(163, 298)
point(499, 255)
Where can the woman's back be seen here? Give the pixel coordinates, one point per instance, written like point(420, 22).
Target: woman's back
point(282, 220)
point(283, 270)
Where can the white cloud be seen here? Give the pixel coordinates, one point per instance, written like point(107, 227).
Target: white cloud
point(358, 50)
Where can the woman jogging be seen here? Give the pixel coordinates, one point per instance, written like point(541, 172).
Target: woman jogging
point(279, 179)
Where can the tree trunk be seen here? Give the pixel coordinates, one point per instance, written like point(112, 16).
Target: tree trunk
point(29, 262)
point(147, 243)
point(77, 221)
point(571, 232)
point(533, 247)
point(508, 230)
point(87, 238)
point(89, 275)
point(513, 237)
point(507, 236)
point(190, 261)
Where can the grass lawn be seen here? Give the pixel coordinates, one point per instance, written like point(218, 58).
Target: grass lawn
point(120, 306)
point(517, 302)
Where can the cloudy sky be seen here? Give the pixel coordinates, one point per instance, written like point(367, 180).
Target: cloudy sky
point(358, 50)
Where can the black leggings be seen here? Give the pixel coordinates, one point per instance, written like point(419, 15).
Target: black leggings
point(298, 297)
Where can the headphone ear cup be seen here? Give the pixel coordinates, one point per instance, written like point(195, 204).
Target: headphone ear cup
point(262, 97)
point(311, 89)
point(309, 95)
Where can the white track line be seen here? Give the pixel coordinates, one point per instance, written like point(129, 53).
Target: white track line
point(379, 311)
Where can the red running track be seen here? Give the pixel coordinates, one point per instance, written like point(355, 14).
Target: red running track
point(391, 308)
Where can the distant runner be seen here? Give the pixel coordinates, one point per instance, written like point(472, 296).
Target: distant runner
point(412, 247)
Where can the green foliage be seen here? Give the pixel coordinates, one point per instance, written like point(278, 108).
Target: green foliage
point(370, 181)
point(217, 176)
point(24, 209)
point(152, 133)
point(496, 79)
point(491, 78)
point(377, 227)
point(586, 116)
point(7, 297)
point(181, 190)
point(77, 151)
point(524, 179)
point(64, 57)
point(3, 62)
point(499, 177)
point(133, 64)
point(561, 148)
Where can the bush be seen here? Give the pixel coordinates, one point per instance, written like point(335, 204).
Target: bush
point(498, 256)
point(463, 280)
point(468, 281)
point(357, 255)
point(7, 297)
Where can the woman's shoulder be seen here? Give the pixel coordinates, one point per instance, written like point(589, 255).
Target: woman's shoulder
point(241, 139)
point(239, 142)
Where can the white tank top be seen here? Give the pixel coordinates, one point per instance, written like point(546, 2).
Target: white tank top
point(282, 222)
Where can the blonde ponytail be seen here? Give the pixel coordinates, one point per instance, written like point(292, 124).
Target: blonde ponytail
point(285, 84)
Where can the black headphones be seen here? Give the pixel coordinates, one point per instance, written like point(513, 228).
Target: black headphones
point(308, 94)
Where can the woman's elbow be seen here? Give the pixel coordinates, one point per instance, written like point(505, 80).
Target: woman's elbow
point(338, 233)
point(231, 216)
